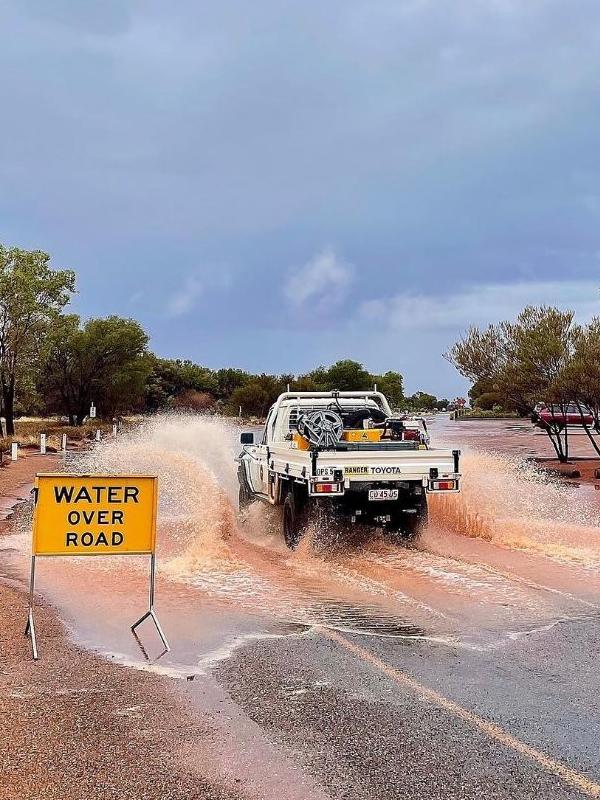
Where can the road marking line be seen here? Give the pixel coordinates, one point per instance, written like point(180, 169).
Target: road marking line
point(570, 776)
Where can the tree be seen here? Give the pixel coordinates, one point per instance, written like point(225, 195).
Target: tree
point(170, 378)
point(32, 295)
point(193, 376)
point(104, 361)
point(306, 383)
point(421, 400)
point(230, 379)
point(480, 387)
point(582, 378)
point(317, 380)
point(257, 396)
point(392, 385)
point(443, 404)
point(488, 400)
point(525, 362)
point(347, 376)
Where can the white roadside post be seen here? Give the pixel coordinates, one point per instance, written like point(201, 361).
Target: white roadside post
point(92, 411)
point(63, 445)
point(98, 436)
point(14, 451)
point(42, 444)
point(115, 429)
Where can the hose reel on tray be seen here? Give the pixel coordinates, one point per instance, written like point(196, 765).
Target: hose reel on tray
point(322, 428)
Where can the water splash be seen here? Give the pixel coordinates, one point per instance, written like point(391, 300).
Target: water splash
point(510, 502)
point(193, 457)
point(505, 499)
point(366, 585)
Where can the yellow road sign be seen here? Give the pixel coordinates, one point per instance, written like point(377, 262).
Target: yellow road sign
point(95, 515)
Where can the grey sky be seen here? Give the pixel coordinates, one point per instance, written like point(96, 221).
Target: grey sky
point(279, 184)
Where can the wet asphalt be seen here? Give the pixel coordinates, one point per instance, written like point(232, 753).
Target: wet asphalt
point(359, 733)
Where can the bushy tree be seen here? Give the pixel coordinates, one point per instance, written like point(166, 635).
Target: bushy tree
point(488, 400)
point(317, 380)
point(524, 362)
point(32, 296)
point(582, 378)
point(306, 383)
point(104, 361)
point(228, 380)
point(170, 378)
point(421, 400)
point(348, 375)
point(257, 396)
point(192, 400)
point(392, 385)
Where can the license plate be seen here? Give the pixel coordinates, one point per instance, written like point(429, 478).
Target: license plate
point(383, 494)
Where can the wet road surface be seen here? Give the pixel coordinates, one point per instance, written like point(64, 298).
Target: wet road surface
point(466, 667)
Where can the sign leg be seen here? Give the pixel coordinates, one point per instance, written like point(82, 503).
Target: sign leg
point(151, 612)
point(30, 627)
point(163, 638)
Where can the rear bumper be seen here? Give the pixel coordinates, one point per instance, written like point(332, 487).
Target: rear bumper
point(356, 507)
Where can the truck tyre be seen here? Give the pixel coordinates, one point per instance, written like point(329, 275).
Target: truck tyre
point(408, 527)
point(244, 498)
point(293, 520)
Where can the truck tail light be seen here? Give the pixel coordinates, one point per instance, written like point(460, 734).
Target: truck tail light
point(327, 488)
point(443, 486)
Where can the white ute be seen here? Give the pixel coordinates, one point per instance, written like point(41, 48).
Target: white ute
point(345, 452)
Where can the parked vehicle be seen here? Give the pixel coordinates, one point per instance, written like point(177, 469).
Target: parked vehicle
point(346, 452)
point(561, 416)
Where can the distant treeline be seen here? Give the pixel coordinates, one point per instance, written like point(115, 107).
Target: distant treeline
point(183, 384)
point(54, 363)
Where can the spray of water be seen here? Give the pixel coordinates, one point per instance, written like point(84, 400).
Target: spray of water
point(504, 499)
point(194, 460)
point(511, 503)
point(371, 586)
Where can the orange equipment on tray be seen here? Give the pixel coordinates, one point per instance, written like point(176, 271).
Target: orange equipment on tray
point(300, 442)
point(363, 435)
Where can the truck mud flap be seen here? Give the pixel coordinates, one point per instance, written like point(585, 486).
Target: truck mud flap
point(243, 479)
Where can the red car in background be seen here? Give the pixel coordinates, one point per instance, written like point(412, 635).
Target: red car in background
point(570, 414)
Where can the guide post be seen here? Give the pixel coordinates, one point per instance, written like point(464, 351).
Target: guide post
point(95, 515)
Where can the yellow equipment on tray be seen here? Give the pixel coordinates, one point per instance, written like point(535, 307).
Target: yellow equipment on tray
point(357, 435)
point(360, 435)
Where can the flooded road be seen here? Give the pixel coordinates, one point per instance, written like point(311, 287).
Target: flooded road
point(463, 667)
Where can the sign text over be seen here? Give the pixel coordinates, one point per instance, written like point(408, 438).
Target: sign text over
point(78, 515)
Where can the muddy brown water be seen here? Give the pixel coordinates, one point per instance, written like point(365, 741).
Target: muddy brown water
point(514, 553)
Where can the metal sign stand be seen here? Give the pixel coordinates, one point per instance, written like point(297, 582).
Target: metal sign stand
point(30, 627)
point(151, 612)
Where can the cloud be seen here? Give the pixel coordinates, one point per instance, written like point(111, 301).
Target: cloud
point(185, 298)
point(322, 281)
point(481, 304)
